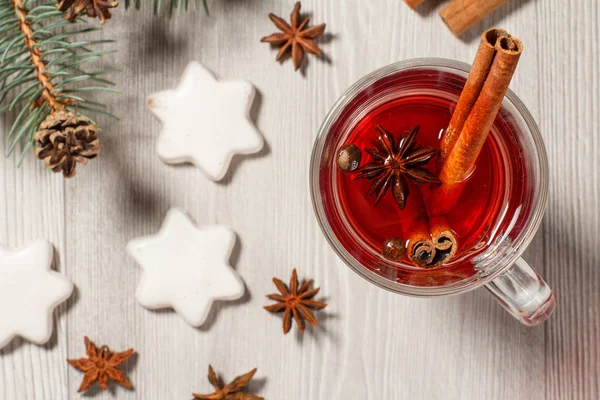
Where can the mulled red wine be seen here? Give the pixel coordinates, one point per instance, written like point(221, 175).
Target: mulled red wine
point(402, 169)
point(485, 200)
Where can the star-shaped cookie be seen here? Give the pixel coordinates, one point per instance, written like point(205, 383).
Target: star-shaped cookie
point(186, 267)
point(205, 121)
point(29, 292)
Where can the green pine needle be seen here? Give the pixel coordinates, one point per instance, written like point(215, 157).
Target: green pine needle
point(173, 5)
point(20, 87)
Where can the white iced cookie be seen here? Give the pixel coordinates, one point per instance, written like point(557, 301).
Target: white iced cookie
point(186, 267)
point(29, 292)
point(205, 121)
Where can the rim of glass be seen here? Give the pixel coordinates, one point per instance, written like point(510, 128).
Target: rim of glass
point(477, 280)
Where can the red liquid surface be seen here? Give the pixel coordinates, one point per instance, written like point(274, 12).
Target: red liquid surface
point(490, 200)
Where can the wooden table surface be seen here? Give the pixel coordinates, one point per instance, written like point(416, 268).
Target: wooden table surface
point(372, 344)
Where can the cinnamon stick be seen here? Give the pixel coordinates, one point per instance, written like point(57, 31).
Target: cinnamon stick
point(460, 15)
point(430, 242)
point(479, 72)
point(463, 155)
point(415, 229)
point(413, 3)
point(444, 240)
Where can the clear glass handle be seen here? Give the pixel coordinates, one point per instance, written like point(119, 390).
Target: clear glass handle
point(523, 293)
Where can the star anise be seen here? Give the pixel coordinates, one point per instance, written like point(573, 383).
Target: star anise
point(233, 391)
point(296, 302)
point(392, 164)
point(100, 365)
point(297, 36)
point(93, 8)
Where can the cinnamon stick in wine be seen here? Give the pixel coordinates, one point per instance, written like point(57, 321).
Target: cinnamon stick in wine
point(413, 3)
point(479, 72)
point(463, 155)
point(415, 229)
point(460, 15)
point(443, 239)
point(429, 242)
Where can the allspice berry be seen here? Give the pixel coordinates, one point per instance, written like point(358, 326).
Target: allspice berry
point(348, 157)
point(393, 249)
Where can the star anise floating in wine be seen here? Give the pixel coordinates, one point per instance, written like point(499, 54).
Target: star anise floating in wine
point(100, 365)
point(295, 36)
point(295, 302)
point(393, 163)
point(232, 391)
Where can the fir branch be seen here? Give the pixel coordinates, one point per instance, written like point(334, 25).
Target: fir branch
point(36, 55)
point(40, 67)
point(173, 5)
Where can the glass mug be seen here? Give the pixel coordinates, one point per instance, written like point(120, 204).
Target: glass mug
point(496, 264)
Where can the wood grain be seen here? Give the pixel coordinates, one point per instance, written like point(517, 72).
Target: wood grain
point(32, 207)
point(372, 344)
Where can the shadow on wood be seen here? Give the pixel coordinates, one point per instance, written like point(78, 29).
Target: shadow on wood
point(428, 7)
point(494, 19)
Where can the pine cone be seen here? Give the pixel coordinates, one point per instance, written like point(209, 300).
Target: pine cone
point(93, 8)
point(65, 139)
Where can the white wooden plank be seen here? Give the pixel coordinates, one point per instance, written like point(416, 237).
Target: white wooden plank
point(31, 207)
point(570, 122)
point(373, 344)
